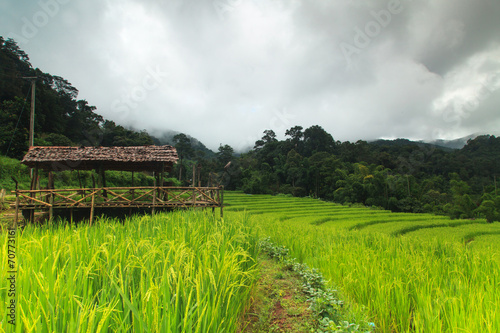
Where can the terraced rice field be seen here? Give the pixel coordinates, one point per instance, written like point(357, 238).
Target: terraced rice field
point(194, 272)
point(177, 272)
point(410, 272)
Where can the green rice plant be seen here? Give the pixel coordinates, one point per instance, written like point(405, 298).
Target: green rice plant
point(429, 224)
point(430, 280)
point(178, 272)
point(488, 243)
point(461, 233)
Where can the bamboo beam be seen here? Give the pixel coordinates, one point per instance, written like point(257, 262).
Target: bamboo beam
point(145, 194)
point(188, 188)
point(203, 194)
point(117, 196)
point(32, 200)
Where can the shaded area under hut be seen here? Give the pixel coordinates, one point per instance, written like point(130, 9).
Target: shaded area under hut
point(86, 202)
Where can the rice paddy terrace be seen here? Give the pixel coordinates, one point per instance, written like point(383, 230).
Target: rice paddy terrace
point(192, 271)
point(409, 272)
point(307, 211)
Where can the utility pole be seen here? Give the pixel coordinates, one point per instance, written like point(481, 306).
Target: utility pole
point(32, 115)
point(32, 120)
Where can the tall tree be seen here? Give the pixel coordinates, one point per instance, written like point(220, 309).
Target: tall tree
point(269, 136)
point(316, 139)
point(224, 155)
point(184, 149)
point(295, 133)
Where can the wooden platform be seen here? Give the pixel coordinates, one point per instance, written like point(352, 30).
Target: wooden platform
point(154, 198)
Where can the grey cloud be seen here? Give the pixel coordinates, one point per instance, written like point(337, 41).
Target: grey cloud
point(229, 67)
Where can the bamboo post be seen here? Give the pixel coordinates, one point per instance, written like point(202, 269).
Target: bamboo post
point(199, 175)
point(154, 192)
point(92, 208)
point(212, 196)
point(133, 185)
point(162, 174)
point(193, 184)
point(79, 178)
point(104, 192)
point(221, 201)
point(16, 217)
point(193, 181)
point(51, 208)
point(51, 180)
point(101, 180)
point(154, 200)
point(155, 184)
point(34, 180)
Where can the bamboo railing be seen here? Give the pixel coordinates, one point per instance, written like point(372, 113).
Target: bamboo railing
point(154, 197)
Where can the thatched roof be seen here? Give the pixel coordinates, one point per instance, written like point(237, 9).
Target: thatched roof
point(140, 158)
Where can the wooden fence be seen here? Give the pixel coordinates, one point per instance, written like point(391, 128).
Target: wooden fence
point(157, 197)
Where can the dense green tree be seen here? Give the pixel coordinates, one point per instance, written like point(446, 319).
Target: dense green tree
point(224, 155)
point(60, 140)
point(316, 139)
point(184, 150)
point(294, 167)
point(14, 128)
point(488, 209)
point(269, 136)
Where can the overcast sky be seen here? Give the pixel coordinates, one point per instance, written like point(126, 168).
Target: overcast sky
point(225, 70)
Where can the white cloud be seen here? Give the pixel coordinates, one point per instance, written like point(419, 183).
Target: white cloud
point(224, 71)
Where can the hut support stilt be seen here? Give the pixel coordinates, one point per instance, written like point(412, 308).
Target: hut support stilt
point(16, 217)
point(221, 201)
point(92, 209)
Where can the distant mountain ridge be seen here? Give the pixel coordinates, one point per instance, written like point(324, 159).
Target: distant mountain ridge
point(406, 142)
point(166, 137)
point(454, 144)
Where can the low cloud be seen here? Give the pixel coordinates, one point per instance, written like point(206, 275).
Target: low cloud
point(225, 70)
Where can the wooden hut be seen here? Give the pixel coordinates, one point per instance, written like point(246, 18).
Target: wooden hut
point(156, 159)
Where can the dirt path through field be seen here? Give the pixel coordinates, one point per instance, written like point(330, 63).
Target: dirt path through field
point(278, 303)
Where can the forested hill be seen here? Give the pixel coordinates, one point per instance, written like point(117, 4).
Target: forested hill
point(399, 175)
point(61, 118)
